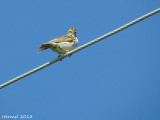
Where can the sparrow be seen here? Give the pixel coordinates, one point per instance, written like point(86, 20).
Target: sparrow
point(62, 44)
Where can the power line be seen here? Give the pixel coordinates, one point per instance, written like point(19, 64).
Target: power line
point(80, 48)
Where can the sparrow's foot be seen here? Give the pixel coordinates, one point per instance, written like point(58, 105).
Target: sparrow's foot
point(59, 56)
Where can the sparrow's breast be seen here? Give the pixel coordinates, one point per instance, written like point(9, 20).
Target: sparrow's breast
point(69, 45)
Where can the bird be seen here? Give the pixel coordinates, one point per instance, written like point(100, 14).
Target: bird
point(62, 44)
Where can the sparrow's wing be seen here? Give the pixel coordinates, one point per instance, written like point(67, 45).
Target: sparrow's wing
point(66, 38)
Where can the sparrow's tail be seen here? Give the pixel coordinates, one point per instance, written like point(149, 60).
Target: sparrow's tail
point(44, 46)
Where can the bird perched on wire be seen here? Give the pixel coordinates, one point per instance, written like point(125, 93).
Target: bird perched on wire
point(62, 44)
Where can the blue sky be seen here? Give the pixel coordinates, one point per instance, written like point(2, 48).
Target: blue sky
point(115, 79)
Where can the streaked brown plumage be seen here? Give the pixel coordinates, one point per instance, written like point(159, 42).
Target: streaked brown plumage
point(63, 44)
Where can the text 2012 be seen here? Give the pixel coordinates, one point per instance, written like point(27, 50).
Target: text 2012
point(25, 116)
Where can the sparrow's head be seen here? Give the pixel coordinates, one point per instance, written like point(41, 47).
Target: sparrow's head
point(72, 31)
